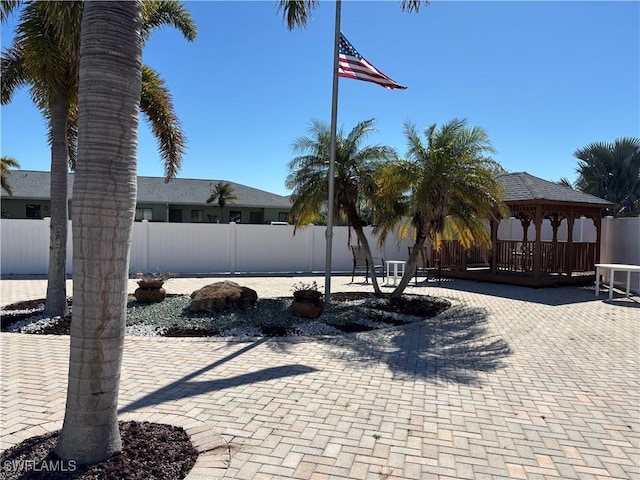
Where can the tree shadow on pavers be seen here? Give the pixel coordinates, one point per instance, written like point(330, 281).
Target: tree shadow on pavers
point(455, 346)
point(187, 387)
point(552, 296)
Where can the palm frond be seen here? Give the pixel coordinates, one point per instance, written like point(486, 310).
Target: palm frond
point(296, 12)
point(5, 164)
point(12, 73)
point(159, 13)
point(7, 7)
point(156, 104)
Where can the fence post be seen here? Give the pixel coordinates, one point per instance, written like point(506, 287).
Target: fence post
point(233, 246)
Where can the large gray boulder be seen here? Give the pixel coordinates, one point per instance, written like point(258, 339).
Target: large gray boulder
point(222, 296)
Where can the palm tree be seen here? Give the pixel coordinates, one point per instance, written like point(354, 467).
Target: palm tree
point(103, 214)
point(298, 12)
point(444, 188)
point(612, 171)
point(5, 164)
point(45, 57)
point(565, 182)
point(355, 166)
point(221, 193)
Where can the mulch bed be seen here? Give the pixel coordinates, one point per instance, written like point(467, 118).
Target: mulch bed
point(151, 451)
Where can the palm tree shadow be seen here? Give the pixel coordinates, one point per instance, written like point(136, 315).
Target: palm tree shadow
point(186, 387)
point(455, 346)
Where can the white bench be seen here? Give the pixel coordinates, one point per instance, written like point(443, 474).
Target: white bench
point(613, 268)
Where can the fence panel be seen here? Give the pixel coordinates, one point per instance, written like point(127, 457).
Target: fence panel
point(188, 248)
point(25, 246)
point(271, 248)
point(191, 248)
point(621, 244)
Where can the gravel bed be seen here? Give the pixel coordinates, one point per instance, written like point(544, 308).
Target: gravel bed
point(347, 312)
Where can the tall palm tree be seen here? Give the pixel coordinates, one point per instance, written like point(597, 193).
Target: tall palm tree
point(298, 12)
point(103, 214)
point(445, 187)
point(5, 164)
point(612, 171)
point(355, 166)
point(222, 193)
point(45, 57)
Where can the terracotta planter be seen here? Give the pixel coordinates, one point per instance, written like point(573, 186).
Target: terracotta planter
point(307, 305)
point(150, 291)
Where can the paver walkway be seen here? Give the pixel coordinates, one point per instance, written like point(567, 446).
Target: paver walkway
point(511, 382)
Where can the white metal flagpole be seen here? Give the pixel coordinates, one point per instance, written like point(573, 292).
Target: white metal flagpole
point(332, 158)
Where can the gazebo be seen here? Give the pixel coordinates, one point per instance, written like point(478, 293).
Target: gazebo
point(546, 253)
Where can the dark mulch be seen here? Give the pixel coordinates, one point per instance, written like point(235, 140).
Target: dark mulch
point(6, 320)
point(418, 305)
point(189, 332)
point(151, 451)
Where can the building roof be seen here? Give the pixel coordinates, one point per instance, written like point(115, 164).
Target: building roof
point(29, 184)
point(520, 187)
point(523, 187)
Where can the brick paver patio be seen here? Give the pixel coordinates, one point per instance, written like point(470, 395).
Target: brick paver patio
point(511, 382)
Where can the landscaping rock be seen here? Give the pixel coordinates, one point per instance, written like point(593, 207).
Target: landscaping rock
point(222, 296)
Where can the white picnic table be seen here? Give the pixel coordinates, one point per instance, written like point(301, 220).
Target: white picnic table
point(613, 268)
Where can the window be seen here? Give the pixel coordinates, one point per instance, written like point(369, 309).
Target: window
point(197, 215)
point(255, 217)
point(283, 216)
point(33, 211)
point(144, 214)
point(175, 215)
point(235, 216)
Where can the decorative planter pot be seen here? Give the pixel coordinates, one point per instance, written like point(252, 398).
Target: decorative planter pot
point(150, 291)
point(307, 305)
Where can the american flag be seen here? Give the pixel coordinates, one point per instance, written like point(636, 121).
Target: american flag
point(352, 65)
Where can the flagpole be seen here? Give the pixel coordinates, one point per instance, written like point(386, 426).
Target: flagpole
point(332, 157)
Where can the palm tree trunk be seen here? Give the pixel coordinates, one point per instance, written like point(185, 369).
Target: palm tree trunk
point(56, 301)
point(364, 242)
point(103, 213)
point(421, 236)
point(356, 223)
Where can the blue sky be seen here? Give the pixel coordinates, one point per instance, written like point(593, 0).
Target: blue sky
point(543, 78)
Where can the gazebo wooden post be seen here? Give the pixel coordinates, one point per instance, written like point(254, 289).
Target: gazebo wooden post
point(494, 245)
point(556, 220)
point(525, 221)
point(462, 252)
point(597, 221)
point(569, 260)
point(537, 246)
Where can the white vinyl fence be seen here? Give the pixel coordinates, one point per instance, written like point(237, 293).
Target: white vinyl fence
point(192, 248)
point(621, 244)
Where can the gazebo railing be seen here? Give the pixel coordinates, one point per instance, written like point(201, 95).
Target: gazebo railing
point(553, 257)
point(515, 256)
point(518, 256)
point(584, 257)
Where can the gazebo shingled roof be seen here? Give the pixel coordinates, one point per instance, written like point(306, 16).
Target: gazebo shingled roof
point(521, 186)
